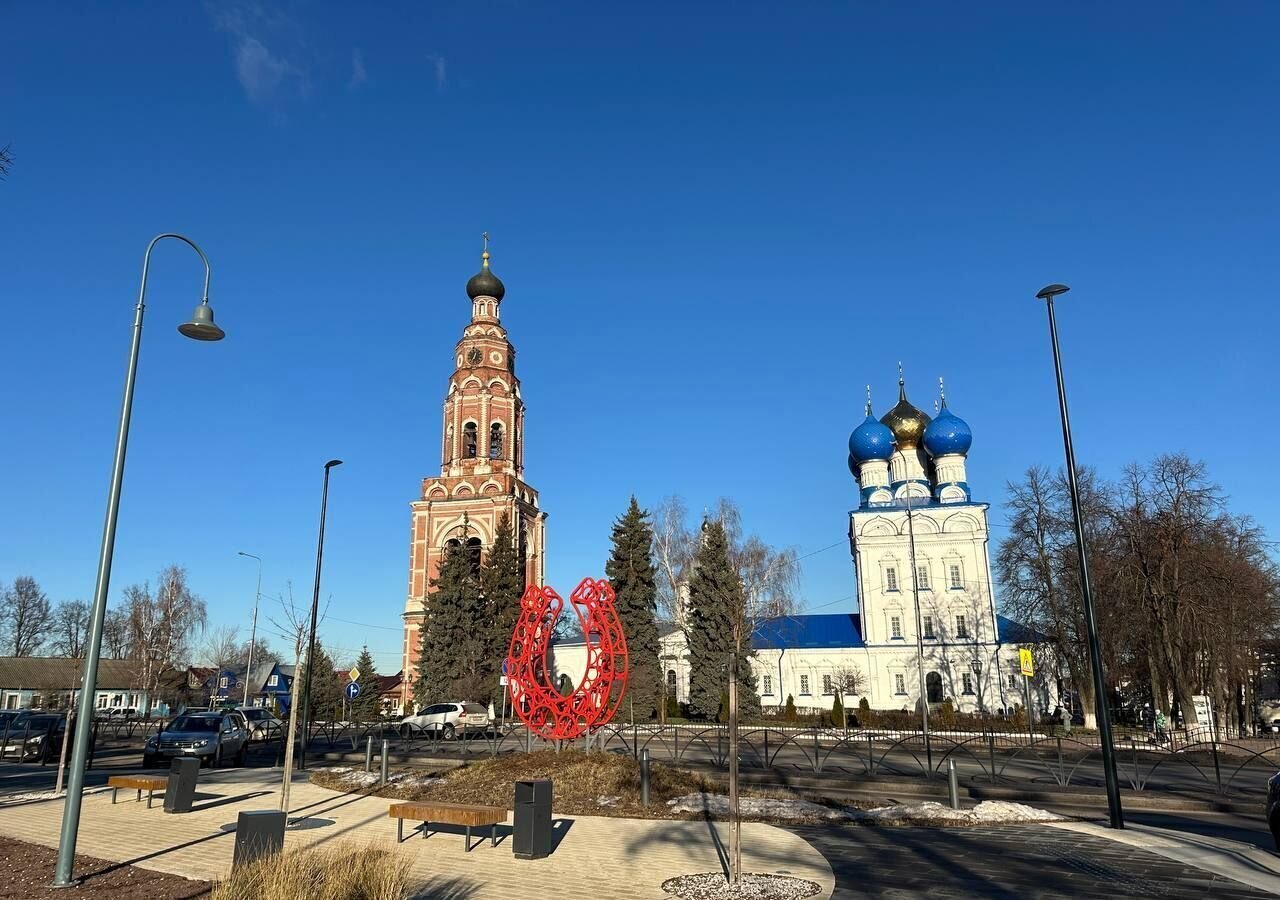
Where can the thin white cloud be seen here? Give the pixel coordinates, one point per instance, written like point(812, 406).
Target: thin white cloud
point(358, 73)
point(264, 73)
point(439, 63)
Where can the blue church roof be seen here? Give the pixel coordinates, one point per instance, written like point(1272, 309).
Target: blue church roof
point(808, 632)
point(1012, 632)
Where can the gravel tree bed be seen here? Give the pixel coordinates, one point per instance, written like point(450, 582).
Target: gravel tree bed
point(714, 886)
point(28, 868)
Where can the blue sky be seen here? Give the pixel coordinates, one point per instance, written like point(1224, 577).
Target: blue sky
point(715, 224)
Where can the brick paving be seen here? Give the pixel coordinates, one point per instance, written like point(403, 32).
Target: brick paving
point(1014, 862)
point(596, 856)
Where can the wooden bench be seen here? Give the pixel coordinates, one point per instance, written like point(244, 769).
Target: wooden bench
point(139, 783)
point(468, 814)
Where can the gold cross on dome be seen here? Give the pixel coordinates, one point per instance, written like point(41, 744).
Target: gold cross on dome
point(486, 241)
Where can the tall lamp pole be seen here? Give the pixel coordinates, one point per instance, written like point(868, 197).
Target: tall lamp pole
point(200, 328)
point(253, 629)
point(1090, 617)
point(315, 608)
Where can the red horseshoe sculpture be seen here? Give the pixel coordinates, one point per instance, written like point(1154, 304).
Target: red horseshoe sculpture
point(534, 695)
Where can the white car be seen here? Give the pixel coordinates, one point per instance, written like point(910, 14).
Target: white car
point(263, 726)
point(446, 720)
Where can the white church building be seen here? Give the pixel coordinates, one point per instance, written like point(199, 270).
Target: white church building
point(920, 546)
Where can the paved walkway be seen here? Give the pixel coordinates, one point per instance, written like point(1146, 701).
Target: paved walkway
point(1023, 862)
point(632, 856)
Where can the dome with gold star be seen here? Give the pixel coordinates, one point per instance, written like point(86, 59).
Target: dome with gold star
point(905, 421)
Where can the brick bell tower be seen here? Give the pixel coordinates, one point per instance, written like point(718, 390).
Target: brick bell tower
point(481, 463)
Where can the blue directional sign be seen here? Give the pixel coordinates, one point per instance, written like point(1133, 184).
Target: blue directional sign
point(352, 690)
point(504, 667)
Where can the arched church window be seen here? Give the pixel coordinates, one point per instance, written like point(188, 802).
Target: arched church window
point(671, 681)
point(473, 552)
point(495, 440)
point(469, 441)
point(933, 687)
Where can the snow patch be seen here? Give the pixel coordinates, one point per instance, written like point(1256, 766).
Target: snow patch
point(988, 812)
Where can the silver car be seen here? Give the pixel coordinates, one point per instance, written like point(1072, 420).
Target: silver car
point(212, 737)
point(446, 720)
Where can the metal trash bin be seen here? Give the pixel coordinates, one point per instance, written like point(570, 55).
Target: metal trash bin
point(258, 833)
point(184, 772)
point(532, 837)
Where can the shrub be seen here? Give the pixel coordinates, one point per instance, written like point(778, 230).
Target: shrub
point(947, 713)
point(673, 707)
point(723, 714)
point(865, 719)
point(330, 873)
point(837, 713)
point(790, 713)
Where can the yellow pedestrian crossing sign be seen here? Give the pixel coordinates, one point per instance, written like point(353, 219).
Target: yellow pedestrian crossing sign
point(354, 674)
point(1027, 663)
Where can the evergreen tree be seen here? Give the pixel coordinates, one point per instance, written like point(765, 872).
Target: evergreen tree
point(368, 706)
point(631, 573)
point(837, 713)
point(502, 579)
point(453, 633)
point(789, 713)
point(717, 611)
point(326, 692)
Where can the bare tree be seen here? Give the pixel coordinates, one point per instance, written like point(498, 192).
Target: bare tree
point(161, 626)
point(673, 549)
point(116, 640)
point(26, 616)
point(847, 680)
point(221, 648)
point(70, 628)
point(6, 160)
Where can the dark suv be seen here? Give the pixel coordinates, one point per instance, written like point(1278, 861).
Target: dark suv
point(212, 737)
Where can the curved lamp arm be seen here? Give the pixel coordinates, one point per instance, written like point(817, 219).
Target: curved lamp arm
point(146, 264)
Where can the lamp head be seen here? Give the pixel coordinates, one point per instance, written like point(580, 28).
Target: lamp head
point(1048, 292)
point(201, 327)
point(331, 463)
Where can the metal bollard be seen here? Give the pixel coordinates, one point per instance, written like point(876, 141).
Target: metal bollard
point(368, 755)
point(644, 777)
point(383, 774)
point(953, 789)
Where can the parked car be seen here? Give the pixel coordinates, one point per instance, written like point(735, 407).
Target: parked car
point(36, 738)
point(263, 725)
point(446, 720)
point(1273, 808)
point(1268, 716)
point(212, 737)
point(13, 719)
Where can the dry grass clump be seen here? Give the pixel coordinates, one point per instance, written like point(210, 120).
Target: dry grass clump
point(322, 873)
point(585, 783)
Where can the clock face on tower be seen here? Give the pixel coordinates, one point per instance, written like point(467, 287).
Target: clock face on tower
point(474, 356)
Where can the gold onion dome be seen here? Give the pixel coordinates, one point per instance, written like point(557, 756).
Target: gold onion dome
point(905, 421)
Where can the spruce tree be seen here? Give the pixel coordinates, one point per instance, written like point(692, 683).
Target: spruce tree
point(717, 609)
point(502, 579)
point(368, 706)
point(631, 572)
point(452, 636)
point(326, 693)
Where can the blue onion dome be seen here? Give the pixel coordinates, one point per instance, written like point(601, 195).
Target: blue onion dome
point(870, 440)
point(947, 434)
point(853, 466)
point(905, 421)
point(484, 283)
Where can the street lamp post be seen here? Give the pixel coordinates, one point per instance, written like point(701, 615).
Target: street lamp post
point(253, 629)
point(1090, 618)
point(200, 328)
point(315, 607)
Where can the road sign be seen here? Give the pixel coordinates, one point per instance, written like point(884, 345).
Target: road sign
point(504, 667)
point(354, 674)
point(1027, 663)
point(352, 690)
point(502, 681)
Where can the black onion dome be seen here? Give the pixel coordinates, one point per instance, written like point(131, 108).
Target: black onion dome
point(484, 283)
